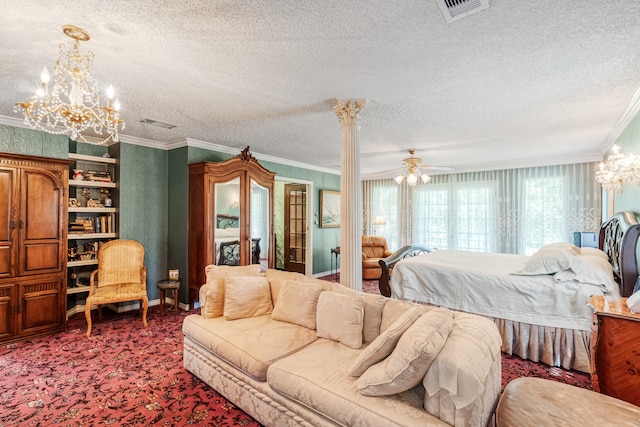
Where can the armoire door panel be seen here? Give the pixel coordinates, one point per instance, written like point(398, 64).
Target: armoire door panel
point(5, 260)
point(42, 201)
point(41, 258)
point(7, 308)
point(40, 305)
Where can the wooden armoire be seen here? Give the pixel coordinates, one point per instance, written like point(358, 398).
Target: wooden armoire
point(251, 183)
point(33, 255)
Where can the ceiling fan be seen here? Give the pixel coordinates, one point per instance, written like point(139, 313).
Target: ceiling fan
point(412, 169)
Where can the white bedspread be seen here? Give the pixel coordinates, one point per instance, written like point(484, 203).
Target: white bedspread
point(482, 283)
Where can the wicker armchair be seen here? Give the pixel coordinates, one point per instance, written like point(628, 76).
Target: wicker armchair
point(121, 276)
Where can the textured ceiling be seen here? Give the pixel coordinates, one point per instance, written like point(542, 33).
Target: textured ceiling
point(521, 83)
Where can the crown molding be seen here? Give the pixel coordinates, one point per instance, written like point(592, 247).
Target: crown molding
point(187, 142)
point(630, 113)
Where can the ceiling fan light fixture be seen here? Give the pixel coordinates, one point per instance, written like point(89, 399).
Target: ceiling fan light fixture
point(425, 178)
point(399, 179)
point(412, 179)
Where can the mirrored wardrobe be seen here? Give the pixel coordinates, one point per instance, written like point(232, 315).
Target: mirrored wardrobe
point(230, 216)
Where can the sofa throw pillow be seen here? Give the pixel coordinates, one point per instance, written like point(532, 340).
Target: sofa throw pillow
point(297, 303)
point(410, 360)
point(340, 318)
point(374, 304)
point(384, 344)
point(550, 259)
point(276, 279)
point(213, 305)
point(215, 272)
point(246, 296)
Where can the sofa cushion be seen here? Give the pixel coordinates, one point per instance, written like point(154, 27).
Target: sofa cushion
point(297, 303)
point(250, 344)
point(317, 377)
point(340, 316)
point(246, 296)
point(372, 312)
point(384, 344)
point(212, 305)
point(325, 284)
point(410, 360)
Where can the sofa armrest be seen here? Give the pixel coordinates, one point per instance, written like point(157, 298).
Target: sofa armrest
point(463, 389)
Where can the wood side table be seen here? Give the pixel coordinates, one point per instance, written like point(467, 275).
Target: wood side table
point(335, 252)
point(615, 350)
point(169, 285)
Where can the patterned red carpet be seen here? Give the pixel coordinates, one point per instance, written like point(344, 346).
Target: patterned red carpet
point(126, 375)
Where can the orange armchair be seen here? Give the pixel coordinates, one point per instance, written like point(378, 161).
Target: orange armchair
point(374, 248)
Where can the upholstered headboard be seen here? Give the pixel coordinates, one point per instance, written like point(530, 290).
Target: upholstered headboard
point(619, 240)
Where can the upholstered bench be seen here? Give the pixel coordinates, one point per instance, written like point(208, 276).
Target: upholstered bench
point(534, 402)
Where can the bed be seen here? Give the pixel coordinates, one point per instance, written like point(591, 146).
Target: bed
point(227, 235)
point(539, 303)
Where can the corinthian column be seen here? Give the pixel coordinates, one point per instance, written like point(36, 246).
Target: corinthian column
point(350, 194)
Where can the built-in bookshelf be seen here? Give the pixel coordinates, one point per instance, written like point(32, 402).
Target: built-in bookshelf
point(92, 219)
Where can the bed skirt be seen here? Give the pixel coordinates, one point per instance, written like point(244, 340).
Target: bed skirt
point(565, 348)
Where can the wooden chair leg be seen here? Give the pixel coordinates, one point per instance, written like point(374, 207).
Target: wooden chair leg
point(87, 314)
point(145, 301)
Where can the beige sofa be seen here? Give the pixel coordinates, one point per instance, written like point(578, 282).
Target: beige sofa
point(291, 350)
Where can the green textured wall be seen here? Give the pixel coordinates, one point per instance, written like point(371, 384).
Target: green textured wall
point(178, 220)
point(33, 143)
point(143, 206)
point(629, 142)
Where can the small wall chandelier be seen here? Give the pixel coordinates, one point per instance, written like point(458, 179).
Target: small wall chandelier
point(618, 170)
point(72, 105)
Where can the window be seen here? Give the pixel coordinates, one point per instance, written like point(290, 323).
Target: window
point(508, 211)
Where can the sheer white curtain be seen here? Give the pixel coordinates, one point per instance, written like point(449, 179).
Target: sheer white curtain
point(509, 211)
point(259, 217)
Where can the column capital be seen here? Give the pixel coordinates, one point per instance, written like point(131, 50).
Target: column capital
point(349, 113)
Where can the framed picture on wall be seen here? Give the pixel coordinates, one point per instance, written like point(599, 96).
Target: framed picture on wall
point(329, 208)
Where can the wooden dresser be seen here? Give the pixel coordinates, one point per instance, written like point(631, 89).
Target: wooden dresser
point(615, 350)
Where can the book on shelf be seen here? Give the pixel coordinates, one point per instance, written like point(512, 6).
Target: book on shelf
point(100, 176)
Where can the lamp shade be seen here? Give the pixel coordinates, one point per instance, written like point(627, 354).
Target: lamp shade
point(380, 220)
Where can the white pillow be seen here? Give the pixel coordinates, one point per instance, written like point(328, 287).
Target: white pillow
point(594, 252)
point(340, 318)
point(590, 269)
point(221, 232)
point(233, 231)
point(410, 360)
point(551, 258)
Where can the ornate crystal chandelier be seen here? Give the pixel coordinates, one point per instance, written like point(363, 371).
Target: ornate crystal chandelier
point(72, 105)
point(618, 170)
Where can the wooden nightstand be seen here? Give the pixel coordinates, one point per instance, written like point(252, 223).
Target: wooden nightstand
point(615, 351)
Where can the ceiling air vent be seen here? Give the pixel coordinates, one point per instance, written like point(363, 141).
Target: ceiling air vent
point(458, 9)
point(157, 123)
